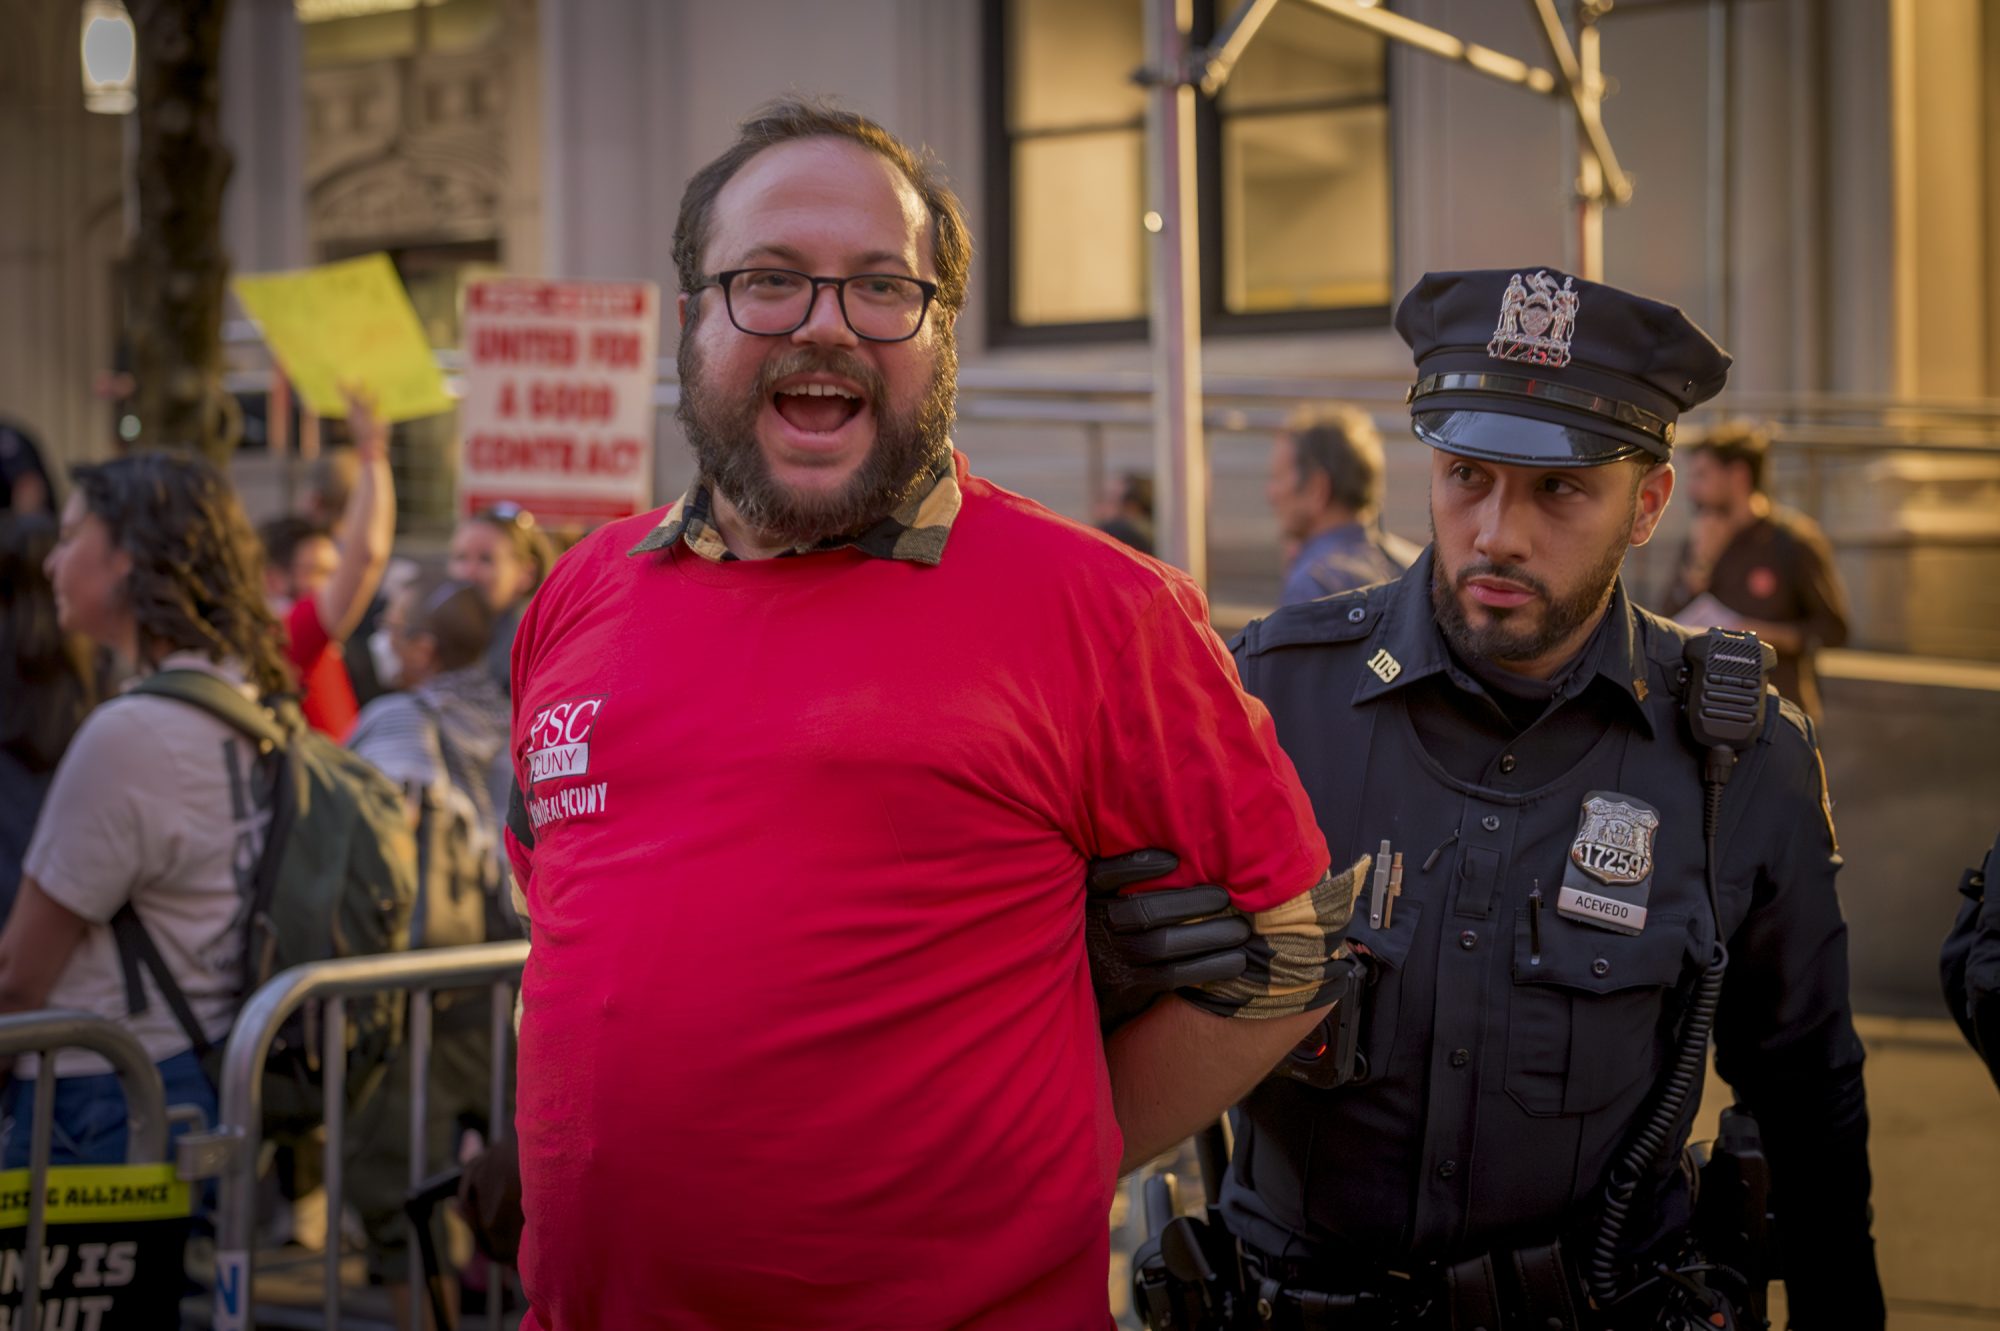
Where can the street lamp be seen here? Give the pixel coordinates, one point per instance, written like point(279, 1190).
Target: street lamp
point(110, 58)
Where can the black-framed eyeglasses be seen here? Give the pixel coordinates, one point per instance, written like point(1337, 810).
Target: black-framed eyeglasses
point(772, 302)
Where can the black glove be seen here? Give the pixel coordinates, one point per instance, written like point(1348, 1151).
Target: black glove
point(1155, 942)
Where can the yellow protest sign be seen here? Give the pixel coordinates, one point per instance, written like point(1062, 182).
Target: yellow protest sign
point(347, 322)
point(89, 1194)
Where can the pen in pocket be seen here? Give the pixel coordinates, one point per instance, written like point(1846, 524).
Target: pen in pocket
point(1535, 926)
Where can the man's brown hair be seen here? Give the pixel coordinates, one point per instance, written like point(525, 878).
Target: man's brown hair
point(792, 119)
point(1738, 441)
point(454, 616)
point(1341, 444)
point(282, 536)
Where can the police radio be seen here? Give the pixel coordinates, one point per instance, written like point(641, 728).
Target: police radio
point(1727, 670)
point(1725, 701)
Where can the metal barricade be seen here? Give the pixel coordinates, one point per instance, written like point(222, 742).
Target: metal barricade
point(145, 1111)
point(230, 1153)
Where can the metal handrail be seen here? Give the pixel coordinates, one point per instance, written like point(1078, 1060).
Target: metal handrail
point(231, 1151)
point(43, 1033)
point(64, 1028)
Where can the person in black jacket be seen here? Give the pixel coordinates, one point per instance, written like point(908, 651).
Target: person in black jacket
point(1544, 945)
point(1970, 962)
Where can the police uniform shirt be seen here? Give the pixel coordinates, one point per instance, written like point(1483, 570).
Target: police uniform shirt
point(1511, 1049)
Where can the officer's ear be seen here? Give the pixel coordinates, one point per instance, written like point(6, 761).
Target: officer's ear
point(1652, 488)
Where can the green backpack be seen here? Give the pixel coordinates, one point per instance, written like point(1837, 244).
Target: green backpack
point(337, 878)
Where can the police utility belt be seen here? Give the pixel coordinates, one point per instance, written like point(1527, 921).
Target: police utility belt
point(1193, 1276)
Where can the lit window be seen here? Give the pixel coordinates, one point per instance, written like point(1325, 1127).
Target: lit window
point(1076, 135)
point(1305, 167)
point(1293, 162)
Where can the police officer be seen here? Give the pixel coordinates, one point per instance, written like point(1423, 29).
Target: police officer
point(1504, 730)
point(1969, 960)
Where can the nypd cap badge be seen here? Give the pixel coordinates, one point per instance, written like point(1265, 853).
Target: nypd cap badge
point(1537, 320)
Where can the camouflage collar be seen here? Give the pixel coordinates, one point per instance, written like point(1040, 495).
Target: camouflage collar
point(915, 532)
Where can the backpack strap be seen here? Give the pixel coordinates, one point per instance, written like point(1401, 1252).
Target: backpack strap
point(136, 946)
point(220, 699)
point(450, 757)
point(136, 949)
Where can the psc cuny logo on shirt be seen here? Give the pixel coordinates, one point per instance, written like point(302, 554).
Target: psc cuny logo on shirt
point(558, 748)
point(559, 739)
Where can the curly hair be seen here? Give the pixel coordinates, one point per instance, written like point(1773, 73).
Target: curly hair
point(47, 684)
point(197, 570)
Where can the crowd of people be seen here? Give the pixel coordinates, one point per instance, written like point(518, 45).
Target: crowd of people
point(904, 862)
point(119, 800)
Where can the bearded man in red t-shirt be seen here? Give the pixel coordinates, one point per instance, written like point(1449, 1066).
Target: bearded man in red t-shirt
point(811, 765)
point(320, 582)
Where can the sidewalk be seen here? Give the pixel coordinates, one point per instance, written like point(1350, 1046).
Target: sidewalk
point(1935, 1148)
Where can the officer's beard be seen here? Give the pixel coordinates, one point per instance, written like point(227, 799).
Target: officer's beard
point(907, 444)
point(1515, 635)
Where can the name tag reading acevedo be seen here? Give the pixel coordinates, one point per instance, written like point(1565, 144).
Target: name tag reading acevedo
point(1609, 873)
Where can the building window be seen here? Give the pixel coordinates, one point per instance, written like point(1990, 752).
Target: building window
point(1293, 162)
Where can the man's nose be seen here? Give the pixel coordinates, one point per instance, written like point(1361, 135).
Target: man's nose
point(826, 324)
point(1502, 534)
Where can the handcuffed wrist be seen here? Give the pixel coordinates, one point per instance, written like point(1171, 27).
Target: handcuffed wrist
point(1292, 949)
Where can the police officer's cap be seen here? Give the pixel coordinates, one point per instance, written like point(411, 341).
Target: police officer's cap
point(1534, 367)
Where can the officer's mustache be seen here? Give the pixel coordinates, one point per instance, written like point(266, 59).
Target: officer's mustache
point(1513, 573)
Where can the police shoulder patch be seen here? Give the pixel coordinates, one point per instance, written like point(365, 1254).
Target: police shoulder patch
point(1795, 715)
point(1347, 617)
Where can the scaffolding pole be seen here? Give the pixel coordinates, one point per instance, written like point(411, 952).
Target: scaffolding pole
point(1180, 453)
point(1176, 71)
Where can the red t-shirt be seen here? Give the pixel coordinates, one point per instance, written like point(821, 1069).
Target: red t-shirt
point(808, 1035)
point(329, 703)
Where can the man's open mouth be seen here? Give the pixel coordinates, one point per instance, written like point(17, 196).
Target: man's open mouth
point(817, 408)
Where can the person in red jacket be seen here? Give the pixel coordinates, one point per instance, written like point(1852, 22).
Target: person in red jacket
point(320, 582)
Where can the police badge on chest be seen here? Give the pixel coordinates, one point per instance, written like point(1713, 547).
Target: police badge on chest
point(1609, 873)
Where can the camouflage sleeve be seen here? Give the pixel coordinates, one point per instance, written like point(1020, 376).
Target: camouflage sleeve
point(1292, 949)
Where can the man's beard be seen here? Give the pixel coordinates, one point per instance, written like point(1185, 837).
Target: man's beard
point(1502, 641)
point(907, 444)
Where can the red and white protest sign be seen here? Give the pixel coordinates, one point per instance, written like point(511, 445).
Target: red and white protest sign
point(558, 408)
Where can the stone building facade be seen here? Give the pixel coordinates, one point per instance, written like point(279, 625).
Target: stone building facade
point(1817, 182)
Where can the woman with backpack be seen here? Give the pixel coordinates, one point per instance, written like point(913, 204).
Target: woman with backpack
point(156, 804)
